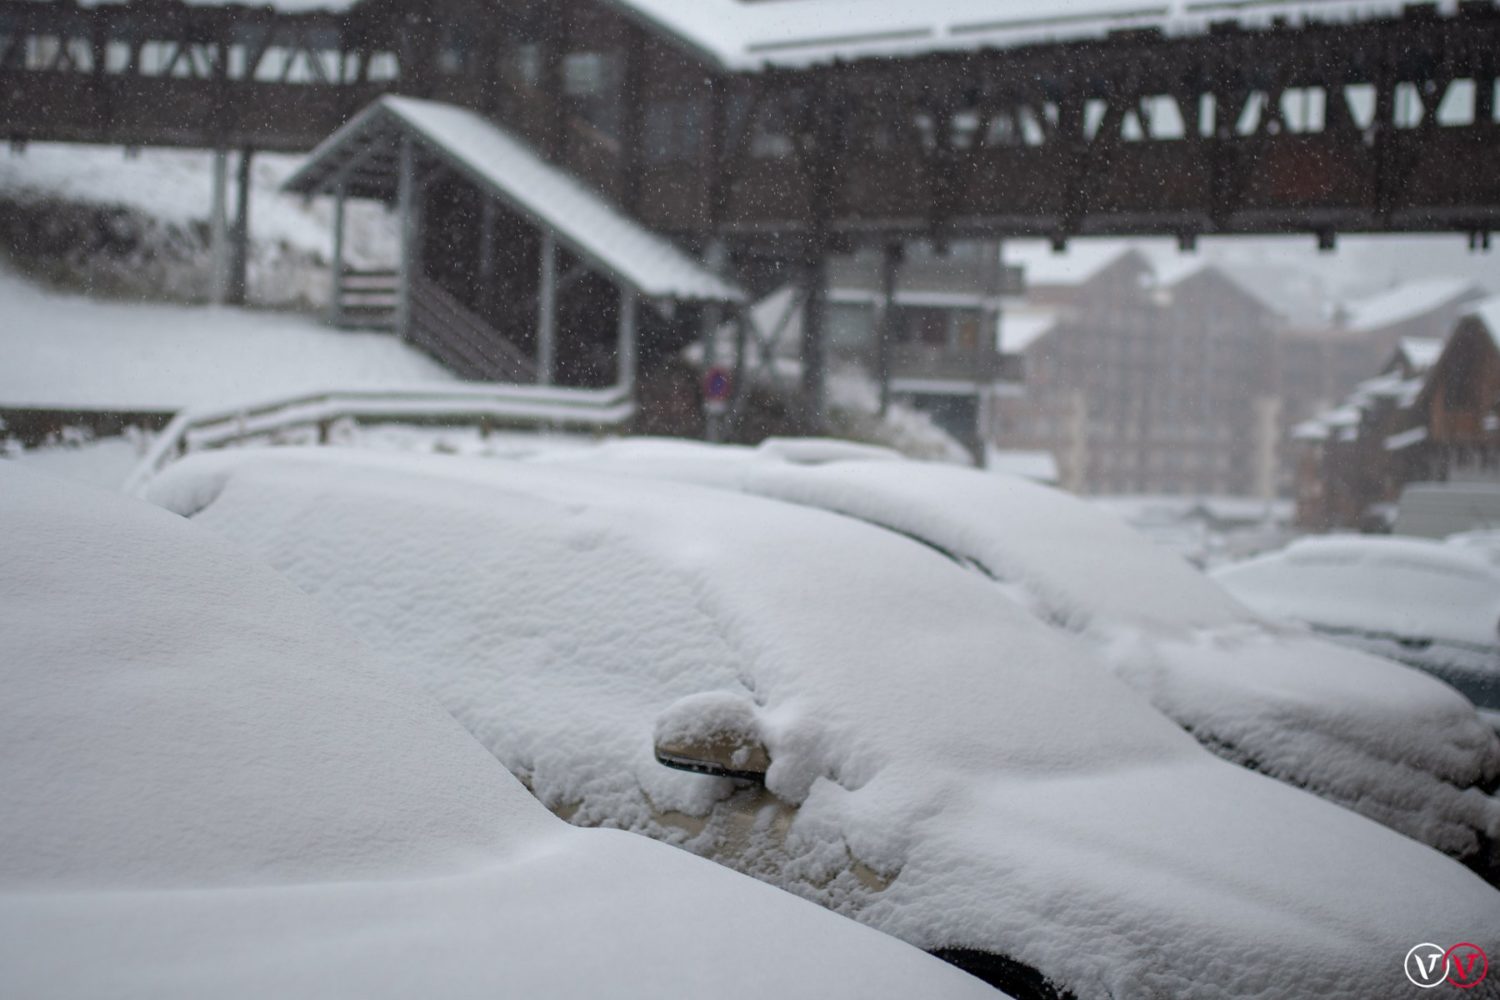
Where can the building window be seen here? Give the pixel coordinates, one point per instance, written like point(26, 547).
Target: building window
point(591, 84)
point(672, 131)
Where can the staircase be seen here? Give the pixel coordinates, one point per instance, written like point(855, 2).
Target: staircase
point(451, 332)
point(440, 324)
point(367, 299)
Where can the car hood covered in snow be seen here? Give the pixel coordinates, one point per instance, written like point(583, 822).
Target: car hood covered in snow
point(209, 792)
point(1376, 736)
point(1008, 792)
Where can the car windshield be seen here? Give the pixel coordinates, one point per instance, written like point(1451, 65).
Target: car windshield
point(984, 497)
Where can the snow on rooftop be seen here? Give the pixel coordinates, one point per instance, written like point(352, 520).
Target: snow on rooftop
point(67, 351)
point(1405, 439)
point(1022, 326)
point(1311, 430)
point(286, 6)
point(1421, 353)
point(1077, 263)
point(585, 222)
point(748, 36)
point(1487, 311)
point(1407, 302)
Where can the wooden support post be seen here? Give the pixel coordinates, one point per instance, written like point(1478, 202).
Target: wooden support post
point(625, 362)
point(814, 306)
point(716, 258)
point(407, 200)
point(485, 294)
point(218, 233)
point(239, 251)
point(546, 319)
point(336, 267)
point(885, 335)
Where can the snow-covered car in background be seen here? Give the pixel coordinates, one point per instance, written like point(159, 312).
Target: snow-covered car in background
point(885, 730)
point(210, 792)
point(1433, 605)
point(1354, 729)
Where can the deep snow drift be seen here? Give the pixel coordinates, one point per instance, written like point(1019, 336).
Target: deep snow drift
point(965, 775)
point(210, 791)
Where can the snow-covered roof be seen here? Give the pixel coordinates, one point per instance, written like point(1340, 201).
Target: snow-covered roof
point(285, 6)
point(1406, 438)
point(1021, 327)
point(1407, 302)
point(1078, 262)
point(1487, 311)
point(1420, 353)
point(584, 222)
point(748, 36)
point(1311, 430)
point(1391, 386)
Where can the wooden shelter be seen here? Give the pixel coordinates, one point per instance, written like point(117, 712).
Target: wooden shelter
point(511, 270)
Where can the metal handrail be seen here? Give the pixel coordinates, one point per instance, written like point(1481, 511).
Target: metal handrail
point(486, 405)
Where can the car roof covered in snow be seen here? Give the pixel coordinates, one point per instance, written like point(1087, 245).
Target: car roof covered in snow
point(1403, 586)
point(211, 789)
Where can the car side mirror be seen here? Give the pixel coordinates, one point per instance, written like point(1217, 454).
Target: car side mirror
point(715, 733)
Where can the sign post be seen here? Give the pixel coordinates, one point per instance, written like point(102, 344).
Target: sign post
point(718, 387)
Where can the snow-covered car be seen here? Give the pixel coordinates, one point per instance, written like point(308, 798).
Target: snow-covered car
point(209, 791)
point(1433, 605)
point(1357, 730)
point(884, 730)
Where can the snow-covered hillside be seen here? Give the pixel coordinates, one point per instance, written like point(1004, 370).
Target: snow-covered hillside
point(136, 225)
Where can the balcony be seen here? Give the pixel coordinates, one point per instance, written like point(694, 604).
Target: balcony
point(923, 363)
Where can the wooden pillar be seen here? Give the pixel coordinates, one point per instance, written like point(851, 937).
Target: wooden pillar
point(716, 258)
point(546, 318)
point(814, 371)
point(625, 362)
point(218, 232)
point(407, 202)
point(885, 336)
point(239, 251)
point(336, 268)
point(484, 296)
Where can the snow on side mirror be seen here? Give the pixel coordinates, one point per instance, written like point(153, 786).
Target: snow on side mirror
point(714, 733)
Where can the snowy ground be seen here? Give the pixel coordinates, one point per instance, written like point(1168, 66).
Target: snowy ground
point(67, 351)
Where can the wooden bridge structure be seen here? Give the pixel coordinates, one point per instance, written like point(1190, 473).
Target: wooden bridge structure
point(1378, 123)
